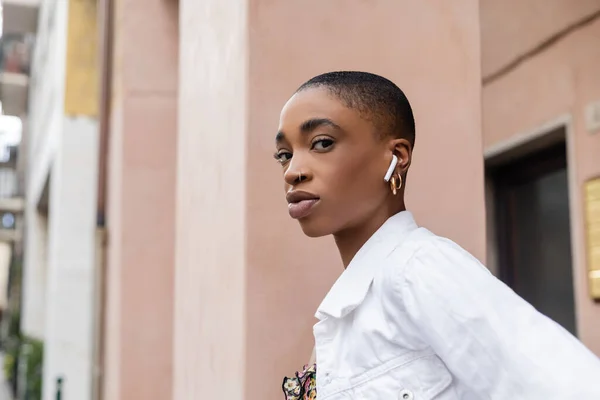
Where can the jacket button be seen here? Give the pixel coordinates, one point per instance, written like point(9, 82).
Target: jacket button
point(406, 395)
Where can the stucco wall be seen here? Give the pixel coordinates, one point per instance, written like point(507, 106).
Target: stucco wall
point(138, 328)
point(248, 281)
point(45, 124)
point(559, 81)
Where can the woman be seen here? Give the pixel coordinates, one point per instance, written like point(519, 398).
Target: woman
point(413, 315)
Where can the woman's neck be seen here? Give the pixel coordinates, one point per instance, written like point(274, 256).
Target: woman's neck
point(349, 241)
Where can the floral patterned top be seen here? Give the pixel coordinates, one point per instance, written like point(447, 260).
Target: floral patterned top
point(303, 386)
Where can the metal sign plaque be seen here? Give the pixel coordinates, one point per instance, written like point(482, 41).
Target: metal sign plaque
point(592, 225)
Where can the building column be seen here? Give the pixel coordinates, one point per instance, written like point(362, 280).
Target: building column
point(69, 340)
point(68, 347)
point(137, 349)
point(247, 281)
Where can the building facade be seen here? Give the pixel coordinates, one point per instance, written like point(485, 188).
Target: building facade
point(159, 259)
point(62, 163)
point(541, 94)
point(229, 190)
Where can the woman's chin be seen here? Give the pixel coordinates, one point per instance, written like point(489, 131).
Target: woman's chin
point(313, 229)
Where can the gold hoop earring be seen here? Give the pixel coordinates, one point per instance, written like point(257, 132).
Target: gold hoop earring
point(396, 184)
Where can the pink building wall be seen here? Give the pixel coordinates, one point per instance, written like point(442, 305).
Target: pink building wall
point(191, 176)
point(138, 327)
point(559, 81)
point(247, 281)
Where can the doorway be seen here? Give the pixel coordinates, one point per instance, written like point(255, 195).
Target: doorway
point(532, 229)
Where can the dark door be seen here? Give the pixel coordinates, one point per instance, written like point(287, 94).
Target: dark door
point(533, 228)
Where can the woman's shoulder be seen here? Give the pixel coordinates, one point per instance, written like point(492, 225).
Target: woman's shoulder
point(424, 253)
point(428, 269)
point(426, 246)
point(418, 243)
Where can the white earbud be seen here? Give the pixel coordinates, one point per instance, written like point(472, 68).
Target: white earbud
point(390, 170)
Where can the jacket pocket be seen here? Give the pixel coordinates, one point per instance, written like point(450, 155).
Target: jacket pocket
point(420, 376)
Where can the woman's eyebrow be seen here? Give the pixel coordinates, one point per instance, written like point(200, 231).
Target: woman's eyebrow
point(309, 126)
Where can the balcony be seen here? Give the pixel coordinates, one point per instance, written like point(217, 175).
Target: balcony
point(11, 206)
point(19, 26)
point(15, 54)
point(11, 182)
point(20, 16)
point(8, 183)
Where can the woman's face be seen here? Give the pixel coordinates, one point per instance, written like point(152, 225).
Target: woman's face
point(333, 163)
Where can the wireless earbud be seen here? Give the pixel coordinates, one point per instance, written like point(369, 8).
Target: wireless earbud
point(391, 169)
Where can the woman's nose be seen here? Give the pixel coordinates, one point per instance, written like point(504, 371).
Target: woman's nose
point(295, 174)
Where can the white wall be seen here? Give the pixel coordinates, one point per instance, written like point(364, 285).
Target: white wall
point(5, 257)
point(71, 261)
point(60, 252)
point(45, 124)
point(34, 273)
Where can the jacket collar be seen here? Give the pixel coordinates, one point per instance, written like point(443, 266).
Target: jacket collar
point(352, 286)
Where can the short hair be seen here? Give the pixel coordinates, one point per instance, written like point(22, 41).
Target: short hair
point(375, 97)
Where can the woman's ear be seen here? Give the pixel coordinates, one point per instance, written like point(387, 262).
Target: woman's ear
point(403, 150)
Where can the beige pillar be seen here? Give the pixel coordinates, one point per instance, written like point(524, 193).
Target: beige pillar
point(141, 200)
point(247, 280)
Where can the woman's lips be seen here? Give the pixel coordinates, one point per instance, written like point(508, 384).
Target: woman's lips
point(300, 203)
point(301, 209)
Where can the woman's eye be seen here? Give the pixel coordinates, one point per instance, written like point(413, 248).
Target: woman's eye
point(322, 144)
point(283, 156)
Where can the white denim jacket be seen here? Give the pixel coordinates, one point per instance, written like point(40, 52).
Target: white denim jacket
point(416, 317)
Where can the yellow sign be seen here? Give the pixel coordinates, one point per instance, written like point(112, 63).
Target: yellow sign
point(592, 222)
point(81, 88)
